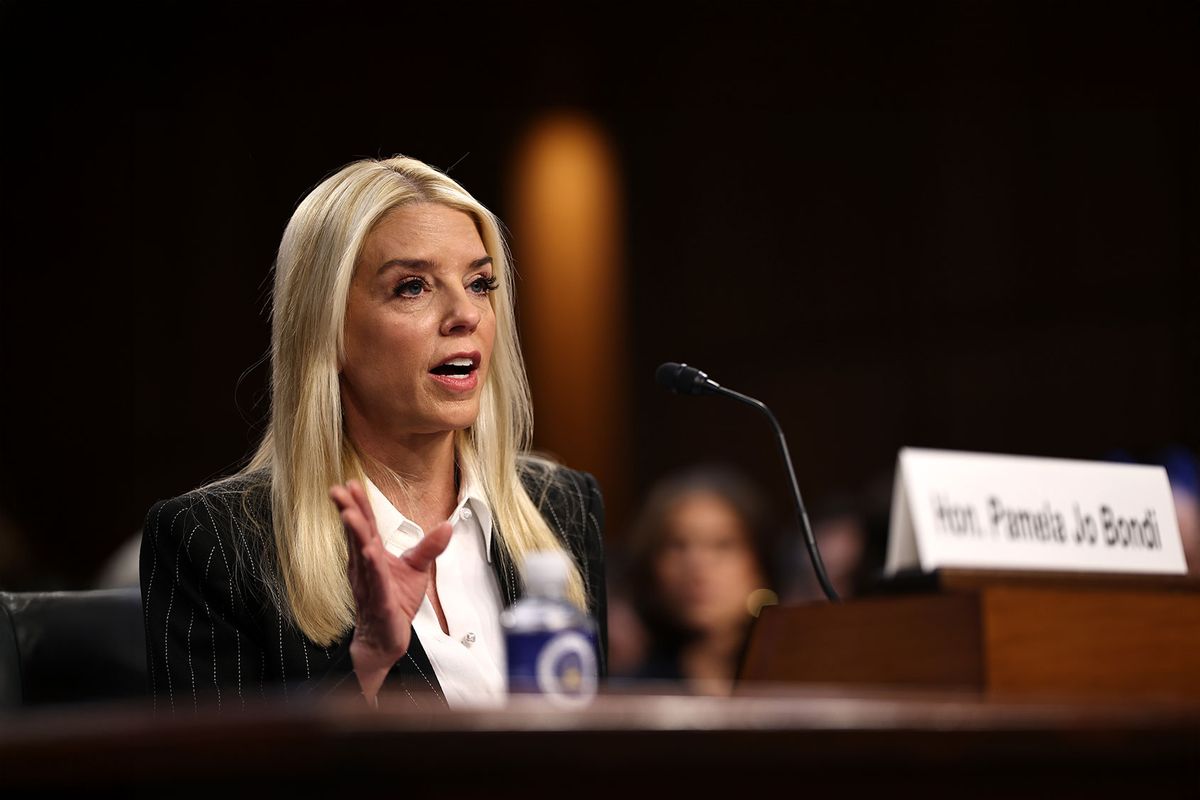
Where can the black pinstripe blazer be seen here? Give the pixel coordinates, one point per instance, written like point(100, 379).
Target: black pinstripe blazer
point(213, 637)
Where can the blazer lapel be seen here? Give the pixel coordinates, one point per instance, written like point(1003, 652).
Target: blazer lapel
point(506, 574)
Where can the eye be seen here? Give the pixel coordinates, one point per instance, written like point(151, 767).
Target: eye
point(484, 284)
point(409, 287)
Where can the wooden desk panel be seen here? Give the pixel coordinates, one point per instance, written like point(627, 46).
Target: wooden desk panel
point(932, 642)
point(1092, 642)
point(782, 742)
point(1102, 637)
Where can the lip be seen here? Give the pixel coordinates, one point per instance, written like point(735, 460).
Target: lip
point(455, 384)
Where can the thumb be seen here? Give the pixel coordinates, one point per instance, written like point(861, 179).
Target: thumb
point(430, 547)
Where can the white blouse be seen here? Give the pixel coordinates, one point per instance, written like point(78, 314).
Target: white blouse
point(469, 661)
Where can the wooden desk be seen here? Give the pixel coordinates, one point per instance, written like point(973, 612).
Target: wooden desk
point(778, 741)
point(998, 635)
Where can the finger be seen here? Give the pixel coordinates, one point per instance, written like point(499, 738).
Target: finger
point(341, 500)
point(360, 495)
point(360, 509)
point(365, 566)
point(340, 496)
point(370, 575)
point(353, 559)
point(359, 532)
point(430, 547)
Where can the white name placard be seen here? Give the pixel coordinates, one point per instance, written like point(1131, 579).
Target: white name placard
point(980, 511)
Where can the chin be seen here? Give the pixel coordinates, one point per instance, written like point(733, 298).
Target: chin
point(459, 422)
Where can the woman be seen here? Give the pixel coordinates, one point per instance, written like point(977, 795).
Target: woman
point(379, 527)
point(699, 574)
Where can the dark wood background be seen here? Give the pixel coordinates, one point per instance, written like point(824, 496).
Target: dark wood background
point(967, 225)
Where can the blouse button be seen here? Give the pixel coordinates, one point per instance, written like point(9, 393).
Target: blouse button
point(469, 639)
point(466, 513)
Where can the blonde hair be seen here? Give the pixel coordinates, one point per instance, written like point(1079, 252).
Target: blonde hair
point(305, 450)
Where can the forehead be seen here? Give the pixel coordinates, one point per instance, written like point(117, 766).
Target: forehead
point(704, 514)
point(424, 231)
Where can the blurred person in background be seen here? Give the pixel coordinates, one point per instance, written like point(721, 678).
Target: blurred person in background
point(628, 640)
point(851, 533)
point(1185, 490)
point(699, 573)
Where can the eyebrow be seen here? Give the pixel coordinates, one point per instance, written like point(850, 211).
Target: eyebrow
point(426, 265)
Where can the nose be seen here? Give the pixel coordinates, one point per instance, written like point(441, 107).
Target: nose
point(461, 316)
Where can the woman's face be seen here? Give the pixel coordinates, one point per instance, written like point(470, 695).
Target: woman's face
point(706, 568)
point(419, 325)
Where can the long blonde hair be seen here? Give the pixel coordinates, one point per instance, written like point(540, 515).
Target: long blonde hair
point(305, 450)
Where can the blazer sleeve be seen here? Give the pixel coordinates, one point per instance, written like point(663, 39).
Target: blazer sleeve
point(198, 647)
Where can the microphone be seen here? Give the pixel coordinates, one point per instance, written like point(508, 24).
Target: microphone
point(682, 379)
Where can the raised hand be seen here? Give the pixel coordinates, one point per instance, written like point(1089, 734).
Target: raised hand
point(387, 589)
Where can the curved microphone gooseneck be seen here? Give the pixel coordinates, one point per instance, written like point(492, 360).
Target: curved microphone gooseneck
point(682, 379)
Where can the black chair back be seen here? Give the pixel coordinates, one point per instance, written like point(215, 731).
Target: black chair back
point(64, 647)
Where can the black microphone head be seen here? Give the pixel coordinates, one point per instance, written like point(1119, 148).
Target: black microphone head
point(666, 374)
point(681, 379)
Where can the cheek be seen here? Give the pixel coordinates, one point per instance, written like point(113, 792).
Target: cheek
point(382, 350)
point(361, 333)
point(667, 573)
point(737, 575)
point(487, 331)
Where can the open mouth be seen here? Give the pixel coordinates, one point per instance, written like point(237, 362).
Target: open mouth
point(458, 367)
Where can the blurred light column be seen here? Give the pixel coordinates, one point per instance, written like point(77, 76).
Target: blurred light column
point(566, 215)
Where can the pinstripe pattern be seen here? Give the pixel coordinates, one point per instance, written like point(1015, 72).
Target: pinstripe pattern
point(209, 626)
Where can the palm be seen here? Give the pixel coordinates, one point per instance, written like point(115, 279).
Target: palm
point(386, 599)
point(387, 589)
